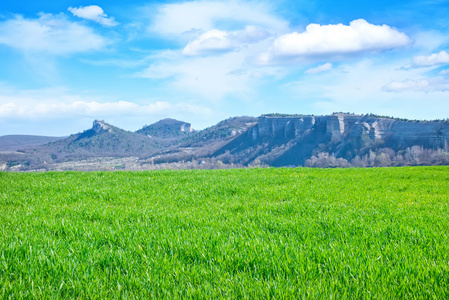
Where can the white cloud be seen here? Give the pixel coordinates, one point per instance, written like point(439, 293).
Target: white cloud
point(218, 41)
point(93, 13)
point(321, 68)
point(444, 72)
point(434, 59)
point(421, 85)
point(179, 18)
point(335, 40)
point(49, 34)
point(212, 41)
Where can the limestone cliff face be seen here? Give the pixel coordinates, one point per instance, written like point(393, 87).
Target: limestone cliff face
point(339, 127)
point(285, 128)
point(431, 134)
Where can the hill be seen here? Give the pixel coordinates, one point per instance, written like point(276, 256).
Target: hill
point(167, 128)
point(102, 140)
point(221, 132)
point(203, 144)
point(167, 132)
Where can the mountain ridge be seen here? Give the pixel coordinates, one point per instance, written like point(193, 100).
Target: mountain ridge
point(340, 139)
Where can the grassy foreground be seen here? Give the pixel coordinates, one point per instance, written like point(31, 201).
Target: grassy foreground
point(255, 233)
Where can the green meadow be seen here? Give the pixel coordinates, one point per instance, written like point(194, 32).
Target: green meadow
point(242, 233)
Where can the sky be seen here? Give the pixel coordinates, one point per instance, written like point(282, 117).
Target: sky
point(66, 63)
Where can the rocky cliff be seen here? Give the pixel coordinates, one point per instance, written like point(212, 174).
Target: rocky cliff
point(342, 126)
point(291, 140)
point(100, 126)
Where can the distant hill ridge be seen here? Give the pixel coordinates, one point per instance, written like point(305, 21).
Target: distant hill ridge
point(15, 142)
point(340, 139)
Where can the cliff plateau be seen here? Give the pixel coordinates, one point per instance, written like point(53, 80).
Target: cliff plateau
point(281, 141)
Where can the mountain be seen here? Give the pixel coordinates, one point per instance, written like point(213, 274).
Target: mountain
point(16, 142)
point(337, 140)
point(102, 140)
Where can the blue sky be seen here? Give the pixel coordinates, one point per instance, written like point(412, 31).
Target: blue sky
point(65, 63)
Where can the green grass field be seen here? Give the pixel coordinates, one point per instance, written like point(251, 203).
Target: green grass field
point(243, 233)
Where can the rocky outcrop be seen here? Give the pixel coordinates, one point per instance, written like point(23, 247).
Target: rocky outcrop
point(100, 126)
